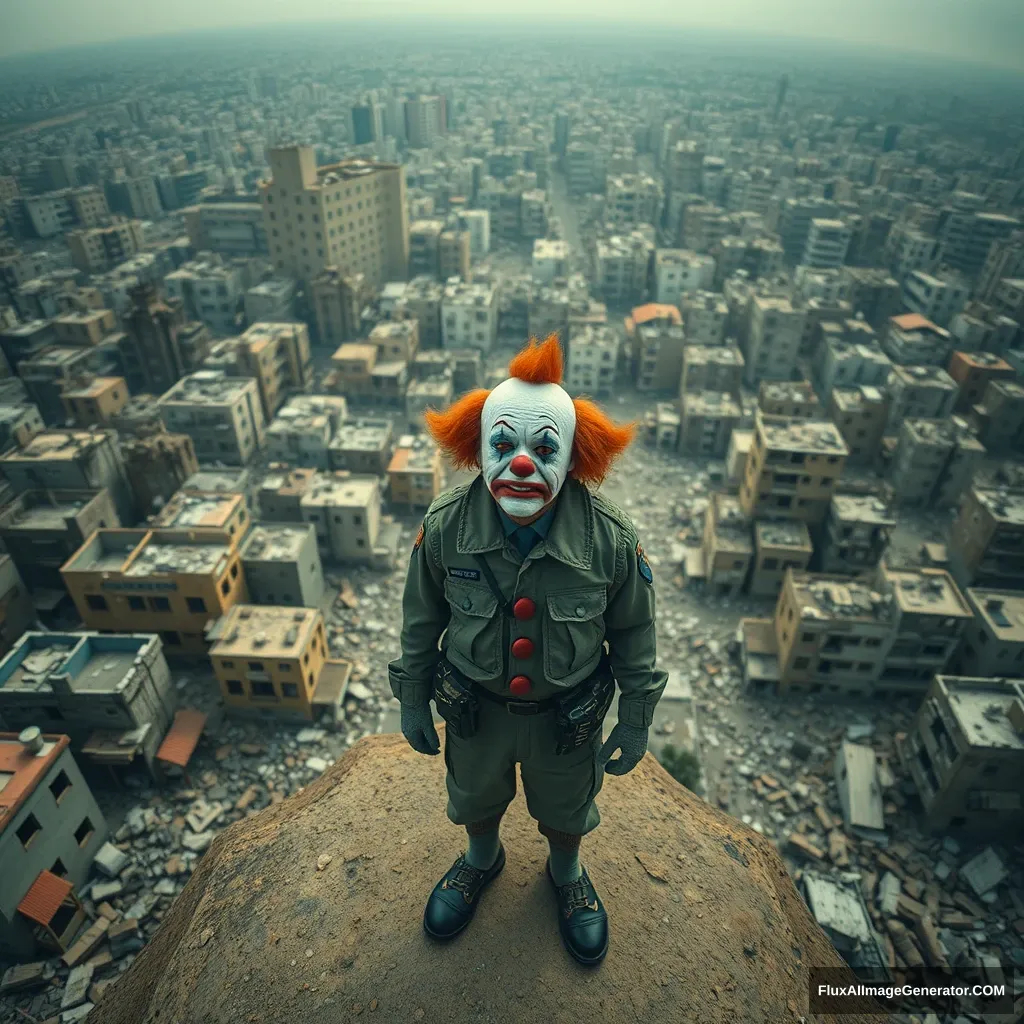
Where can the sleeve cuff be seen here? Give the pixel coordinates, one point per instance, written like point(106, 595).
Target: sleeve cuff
point(637, 712)
point(408, 691)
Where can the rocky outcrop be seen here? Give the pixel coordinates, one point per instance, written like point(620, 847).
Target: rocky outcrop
point(310, 911)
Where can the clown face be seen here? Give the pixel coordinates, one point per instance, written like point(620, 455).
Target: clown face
point(526, 435)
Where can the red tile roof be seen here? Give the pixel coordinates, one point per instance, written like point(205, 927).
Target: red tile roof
point(27, 769)
point(913, 322)
point(182, 737)
point(44, 897)
point(656, 311)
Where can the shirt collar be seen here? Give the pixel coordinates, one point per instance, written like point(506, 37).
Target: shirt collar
point(539, 526)
point(570, 538)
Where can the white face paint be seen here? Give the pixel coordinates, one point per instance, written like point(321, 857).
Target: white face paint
point(526, 434)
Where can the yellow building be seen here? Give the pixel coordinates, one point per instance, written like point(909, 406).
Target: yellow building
point(97, 400)
point(171, 582)
point(415, 473)
point(84, 328)
point(792, 468)
point(351, 215)
point(270, 658)
point(277, 355)
point(224, 513)
point(353, 367)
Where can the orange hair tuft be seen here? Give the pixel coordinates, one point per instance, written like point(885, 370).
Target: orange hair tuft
point(457, 429)
point(539, 363)
point(598, 442)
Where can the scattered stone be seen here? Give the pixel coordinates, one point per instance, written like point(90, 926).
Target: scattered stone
point(197, 842)
point(316, 764)
point(311, 735)
point(86, 943)
point(322, 861)
point(202, 815)
point(110, 860)
point(76, 989)
point(654, 866)
point(984, 872)
point(23, 976)
point(251, 749)
point(79, 1013)
point(125, 937)
point(107, 890)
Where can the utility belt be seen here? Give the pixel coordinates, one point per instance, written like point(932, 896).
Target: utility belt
point(579, 712)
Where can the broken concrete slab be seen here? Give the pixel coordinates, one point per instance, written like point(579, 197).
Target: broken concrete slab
point(76, 989)
point(110, 860)
point(984, 872)
point(23, 976)
point(107, 890)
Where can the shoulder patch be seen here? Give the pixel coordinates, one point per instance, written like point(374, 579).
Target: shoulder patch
point(419, 538)
point(643, 566)
point(612, 511)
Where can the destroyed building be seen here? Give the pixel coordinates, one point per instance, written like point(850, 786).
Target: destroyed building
point(272, 660)
point(778, 546)
point(111, 694)
point(792, 468)
point(993, 642)
point(965, 753)
point(50, 831)
point(855, 535)
point(282, 565)
point(986, 544)
point(934, 462)
point(169, 582)
point(42, 529)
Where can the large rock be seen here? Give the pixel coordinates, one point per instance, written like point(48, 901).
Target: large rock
point(706, 925)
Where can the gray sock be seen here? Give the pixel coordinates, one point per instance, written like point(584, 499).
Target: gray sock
point(565, 864)
point(483, 849)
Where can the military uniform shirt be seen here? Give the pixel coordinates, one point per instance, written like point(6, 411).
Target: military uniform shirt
point(585, 581)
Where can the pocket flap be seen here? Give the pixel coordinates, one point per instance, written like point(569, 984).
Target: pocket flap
point(469, 599)
point(577, 605)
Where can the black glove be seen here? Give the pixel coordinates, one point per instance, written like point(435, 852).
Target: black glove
point(418, 728)
point(632, 740)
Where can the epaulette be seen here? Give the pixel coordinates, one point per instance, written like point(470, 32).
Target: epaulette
point(447, 498)
point(612, 511)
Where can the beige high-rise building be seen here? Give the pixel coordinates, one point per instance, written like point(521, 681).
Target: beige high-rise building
point(350, 215)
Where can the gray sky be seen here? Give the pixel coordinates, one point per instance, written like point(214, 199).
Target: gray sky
point(982, 31)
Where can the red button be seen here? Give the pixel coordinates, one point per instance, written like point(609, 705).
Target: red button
point(523, 609)
point(520, 685)
point(522, 648)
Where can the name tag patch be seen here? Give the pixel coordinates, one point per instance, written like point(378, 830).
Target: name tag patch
point(463, 574)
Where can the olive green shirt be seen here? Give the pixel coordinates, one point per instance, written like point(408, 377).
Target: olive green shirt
point(588, 579)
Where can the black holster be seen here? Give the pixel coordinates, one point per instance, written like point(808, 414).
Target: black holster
point(455, 700)
point(580, 713)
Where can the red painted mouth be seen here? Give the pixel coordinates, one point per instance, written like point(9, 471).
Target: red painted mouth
point(514, 489)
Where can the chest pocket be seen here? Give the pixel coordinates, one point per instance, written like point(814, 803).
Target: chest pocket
point(573, 632)
point(474, 630)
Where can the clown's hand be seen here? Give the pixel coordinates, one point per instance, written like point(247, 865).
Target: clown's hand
point(632, 741)
point(418, 729)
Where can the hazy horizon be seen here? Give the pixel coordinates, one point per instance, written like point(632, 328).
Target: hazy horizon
point(984, 32)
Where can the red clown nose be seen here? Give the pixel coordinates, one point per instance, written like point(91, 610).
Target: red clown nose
point(522, 465)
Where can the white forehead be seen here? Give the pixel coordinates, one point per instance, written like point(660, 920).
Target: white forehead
point(525, 405)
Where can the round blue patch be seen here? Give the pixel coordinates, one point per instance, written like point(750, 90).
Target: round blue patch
point(643, 566)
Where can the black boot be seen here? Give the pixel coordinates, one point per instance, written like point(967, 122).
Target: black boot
point(453, 902)
point(582, 921)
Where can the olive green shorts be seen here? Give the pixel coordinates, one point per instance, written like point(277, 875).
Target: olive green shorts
point(560, 788)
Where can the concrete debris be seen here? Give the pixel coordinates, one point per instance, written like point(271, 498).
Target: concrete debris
point(984, 872)
point(110, 860)
point(771, 762)
point(76, 989)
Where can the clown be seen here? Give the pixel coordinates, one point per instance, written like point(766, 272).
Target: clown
point(517, 583)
